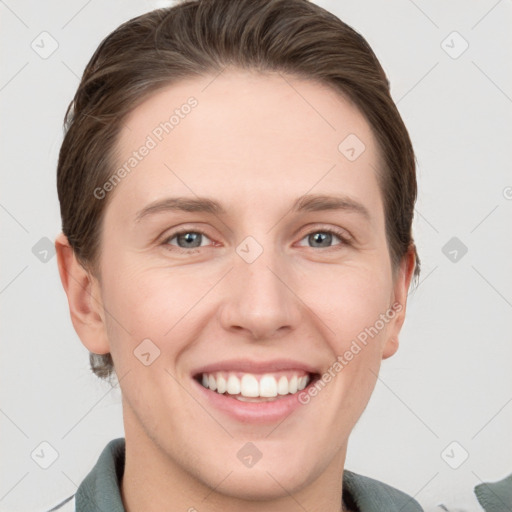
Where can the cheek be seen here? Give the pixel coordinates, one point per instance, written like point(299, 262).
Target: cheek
point(348, 298)
point(156, 304)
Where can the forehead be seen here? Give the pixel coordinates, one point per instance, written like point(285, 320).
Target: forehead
point(264, 135)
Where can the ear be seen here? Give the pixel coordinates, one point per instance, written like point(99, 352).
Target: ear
point(84, 298)
point(399, 301)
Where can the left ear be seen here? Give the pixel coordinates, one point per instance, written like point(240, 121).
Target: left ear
point(399, 301)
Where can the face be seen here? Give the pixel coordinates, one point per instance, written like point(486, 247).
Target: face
point(246, 249)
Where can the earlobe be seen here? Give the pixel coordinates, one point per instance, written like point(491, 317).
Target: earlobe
point(400, 291)
point(390, 348)
point(84, 299)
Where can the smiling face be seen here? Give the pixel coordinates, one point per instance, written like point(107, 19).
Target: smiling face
point(281, 263)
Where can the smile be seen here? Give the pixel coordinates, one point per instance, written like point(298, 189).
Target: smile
point(255, 391)
point(255, 387)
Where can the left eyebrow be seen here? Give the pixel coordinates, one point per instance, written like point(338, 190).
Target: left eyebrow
point(317, 203)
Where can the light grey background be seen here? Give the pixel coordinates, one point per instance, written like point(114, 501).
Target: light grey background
point(451, 379)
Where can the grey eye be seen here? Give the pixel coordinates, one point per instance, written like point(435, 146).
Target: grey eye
point(188, 239)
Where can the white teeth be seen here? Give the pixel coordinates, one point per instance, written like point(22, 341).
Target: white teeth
point(221, 384)
point(233, 386)
point(212, 383)
point(249, 386)
point(292, 385)
point(268, 386)
point(282, 386)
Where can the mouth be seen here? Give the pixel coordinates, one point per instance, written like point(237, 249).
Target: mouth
point(257, 387)
point(256, 392)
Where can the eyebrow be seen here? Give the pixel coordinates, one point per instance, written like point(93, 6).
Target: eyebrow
point(306, 203)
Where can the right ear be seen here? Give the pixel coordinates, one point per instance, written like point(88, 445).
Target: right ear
point(84, 298)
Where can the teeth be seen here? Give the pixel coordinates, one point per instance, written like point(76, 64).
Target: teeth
point(268, 386)
point(233, 387)
point(212, 383)
point(282, 386)
point(250, 387)
point(292, 385)
point(222, 385)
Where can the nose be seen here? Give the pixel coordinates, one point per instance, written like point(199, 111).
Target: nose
point(259, 298)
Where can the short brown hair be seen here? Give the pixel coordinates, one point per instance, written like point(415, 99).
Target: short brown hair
point(198, 37)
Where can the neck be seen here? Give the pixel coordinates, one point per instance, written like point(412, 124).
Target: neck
point(154, 482)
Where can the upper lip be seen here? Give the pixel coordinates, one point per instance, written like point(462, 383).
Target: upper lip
point(248, 366)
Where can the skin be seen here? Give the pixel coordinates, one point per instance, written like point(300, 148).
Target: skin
point(255, 145)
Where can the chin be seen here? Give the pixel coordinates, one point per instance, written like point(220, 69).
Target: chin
point(263, 484)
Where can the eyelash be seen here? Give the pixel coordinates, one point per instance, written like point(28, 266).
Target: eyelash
point(342, 235)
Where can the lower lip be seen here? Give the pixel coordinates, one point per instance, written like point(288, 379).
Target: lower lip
point(253, 412)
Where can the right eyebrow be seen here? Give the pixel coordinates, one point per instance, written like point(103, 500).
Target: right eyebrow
point(185, 204)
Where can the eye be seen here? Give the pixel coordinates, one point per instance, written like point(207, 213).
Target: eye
point(323, 238)
point(187, 239)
